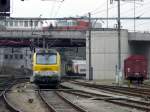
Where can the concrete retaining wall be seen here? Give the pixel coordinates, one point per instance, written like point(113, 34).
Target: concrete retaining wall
point(104, 48)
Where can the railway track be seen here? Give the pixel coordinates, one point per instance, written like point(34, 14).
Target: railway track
point(4, 86)
point(61, 104)
point(140, 105)
point(146, 86)
point(23, 98)
point(58, 103)
point(137, 92)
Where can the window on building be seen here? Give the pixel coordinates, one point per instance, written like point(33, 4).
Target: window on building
point(10, 56)
point(5, 56)
point(16, 56)
point(21, 56)
point(69, 23)
point(25, 23)
point(6, 23)
point(36, 23)
point(30, 56)
point(74, 23)
point(11, 23)
point(16, 23)
point(31, 23)
point(21, 23)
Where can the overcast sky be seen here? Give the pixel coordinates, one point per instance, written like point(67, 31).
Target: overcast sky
point(53, 8)
point(73, 8)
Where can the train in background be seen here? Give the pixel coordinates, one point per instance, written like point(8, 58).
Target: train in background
point(76, 67)
point(46, 68)
point(74, 24)
point(20, 24)
point(45, 25)
point(135, 68)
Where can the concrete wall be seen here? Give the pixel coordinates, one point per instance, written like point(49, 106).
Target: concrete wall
point(104, 48)
point(139, 36)
point(13, 57)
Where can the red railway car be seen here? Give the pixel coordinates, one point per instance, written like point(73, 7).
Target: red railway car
point(72, 25)
point(135, 68)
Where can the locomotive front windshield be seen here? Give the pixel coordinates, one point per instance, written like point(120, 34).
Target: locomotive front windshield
point(46, 58)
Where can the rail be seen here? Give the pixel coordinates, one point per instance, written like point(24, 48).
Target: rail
point(142, 105)
point(59, 103)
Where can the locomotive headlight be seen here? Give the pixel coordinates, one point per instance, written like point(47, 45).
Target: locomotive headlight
point(36, 72)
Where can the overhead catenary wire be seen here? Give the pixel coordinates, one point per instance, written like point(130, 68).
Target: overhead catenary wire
point(126, 12)
point(98, 10)
point(129, 11)
point(58, 9)
point(125, 5)
point(52, 9)
point(103, 10)
point(102, 5)
point(140, 9)
point(144, 11)
point(52, 14)
point(110, 8)
point(113, 7)
point(138, 17)
point(143, 23)
point(121, 5)
point(136, 11)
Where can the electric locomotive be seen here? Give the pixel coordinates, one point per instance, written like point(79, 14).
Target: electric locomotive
point(46, 68)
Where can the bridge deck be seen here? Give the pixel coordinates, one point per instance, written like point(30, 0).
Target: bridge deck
point(40, 34)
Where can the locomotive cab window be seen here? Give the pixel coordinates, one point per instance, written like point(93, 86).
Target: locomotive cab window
point(42, 58)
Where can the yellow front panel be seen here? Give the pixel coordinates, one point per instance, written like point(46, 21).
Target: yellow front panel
point(45, 68)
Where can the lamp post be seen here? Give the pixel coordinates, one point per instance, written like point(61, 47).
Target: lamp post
point(89, 40)
point(119, 45)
